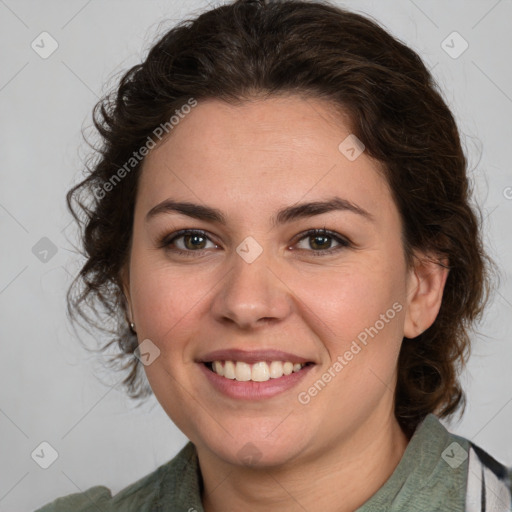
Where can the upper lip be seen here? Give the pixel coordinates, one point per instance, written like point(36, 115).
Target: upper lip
point(252, 356)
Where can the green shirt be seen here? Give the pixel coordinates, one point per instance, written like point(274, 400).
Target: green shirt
point(431, 476)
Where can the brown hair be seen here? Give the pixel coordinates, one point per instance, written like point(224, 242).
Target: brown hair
point(263, 48)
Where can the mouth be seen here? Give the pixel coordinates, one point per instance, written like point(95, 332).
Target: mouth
point(261, 371)
point(253, 374)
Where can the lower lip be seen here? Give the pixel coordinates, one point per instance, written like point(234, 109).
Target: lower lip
point(251, 390)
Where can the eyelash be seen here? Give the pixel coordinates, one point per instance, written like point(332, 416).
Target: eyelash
point(165, 242)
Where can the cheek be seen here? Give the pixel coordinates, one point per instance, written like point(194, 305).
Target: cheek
point(361, 329)
point(361, 310)
point(165, 298)
point(348, 298)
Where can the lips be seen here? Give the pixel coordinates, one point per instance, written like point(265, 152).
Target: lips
point(250, 389)
point(253, 356)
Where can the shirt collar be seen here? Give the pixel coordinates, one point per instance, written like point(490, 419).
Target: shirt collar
point(431, 475)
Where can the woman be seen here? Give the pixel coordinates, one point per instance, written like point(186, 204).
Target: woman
point(280, 221)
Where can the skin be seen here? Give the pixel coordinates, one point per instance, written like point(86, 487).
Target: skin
point(249, 161)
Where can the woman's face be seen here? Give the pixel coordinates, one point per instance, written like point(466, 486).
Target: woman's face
point(254, 281)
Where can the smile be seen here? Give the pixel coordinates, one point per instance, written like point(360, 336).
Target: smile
point(257, 372)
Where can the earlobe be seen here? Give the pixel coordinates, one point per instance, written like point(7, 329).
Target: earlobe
point(425, 287)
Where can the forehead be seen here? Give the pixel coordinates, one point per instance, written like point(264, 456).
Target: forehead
point(283, 124)
point(260, 154)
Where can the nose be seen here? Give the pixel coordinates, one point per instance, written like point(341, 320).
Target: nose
point(252, 294)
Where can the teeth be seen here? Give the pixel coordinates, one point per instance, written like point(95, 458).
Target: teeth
point(217, 368)
point(242, 371)
point(276, 369)
point(287, 368)
point(229, 369)
point(258, 372)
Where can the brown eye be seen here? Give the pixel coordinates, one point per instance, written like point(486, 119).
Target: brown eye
point(321, 240)
point(186, 241)
point(194, 241)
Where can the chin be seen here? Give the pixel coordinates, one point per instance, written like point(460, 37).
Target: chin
point(258, 450)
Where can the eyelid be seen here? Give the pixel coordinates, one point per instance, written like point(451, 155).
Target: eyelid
point(343, 241)
point(165, 241)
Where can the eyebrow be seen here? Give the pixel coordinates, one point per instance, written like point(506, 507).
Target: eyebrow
point(285, 215)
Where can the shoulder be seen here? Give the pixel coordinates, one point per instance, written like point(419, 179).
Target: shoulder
point(441, 470)
point(489, 484)
point(146, 494)
point(92, 499)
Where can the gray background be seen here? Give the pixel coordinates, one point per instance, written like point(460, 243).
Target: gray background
point(51, 389)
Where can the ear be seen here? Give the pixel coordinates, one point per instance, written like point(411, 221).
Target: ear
point(124, 276)
point(425, 286)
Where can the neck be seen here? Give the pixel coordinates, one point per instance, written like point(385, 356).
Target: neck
point(340, 478)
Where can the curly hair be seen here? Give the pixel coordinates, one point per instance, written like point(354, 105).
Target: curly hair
point(265, 48)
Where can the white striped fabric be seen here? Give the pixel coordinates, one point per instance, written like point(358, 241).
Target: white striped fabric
point(489, 485)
